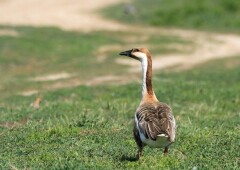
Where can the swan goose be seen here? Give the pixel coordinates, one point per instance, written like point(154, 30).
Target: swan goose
point(154, 123)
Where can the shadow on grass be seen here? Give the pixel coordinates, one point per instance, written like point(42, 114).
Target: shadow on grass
point(129, 158)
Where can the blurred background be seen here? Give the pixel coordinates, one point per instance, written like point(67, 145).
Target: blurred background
point(61, 78)
point(77, 42)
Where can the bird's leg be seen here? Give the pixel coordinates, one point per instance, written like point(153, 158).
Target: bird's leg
point(138, 141)
point(165, 151)
point(139, 153)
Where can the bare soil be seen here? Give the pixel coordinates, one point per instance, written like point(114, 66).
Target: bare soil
point(207, 46)
point(65, 14)
point(8, 32)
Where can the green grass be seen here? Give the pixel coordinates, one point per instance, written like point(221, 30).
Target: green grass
point(43, 51)
point(215, 15)
point(91, 127)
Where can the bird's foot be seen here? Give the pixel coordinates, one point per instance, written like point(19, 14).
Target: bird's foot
point(139, 154)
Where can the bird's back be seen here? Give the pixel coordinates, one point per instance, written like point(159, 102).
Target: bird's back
point(155, 124)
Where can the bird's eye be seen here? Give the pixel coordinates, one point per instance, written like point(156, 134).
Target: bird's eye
point(136, 50)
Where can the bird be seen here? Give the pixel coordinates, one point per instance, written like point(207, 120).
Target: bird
point(154, 122)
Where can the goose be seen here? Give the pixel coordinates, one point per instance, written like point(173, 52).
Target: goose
point(154, 123)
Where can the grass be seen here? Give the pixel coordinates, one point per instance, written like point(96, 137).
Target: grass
point(43, 51)
point(216, 15)
point(91, 127)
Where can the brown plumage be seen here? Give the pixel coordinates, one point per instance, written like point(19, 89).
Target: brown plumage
point(154, 123)
point(154, 119)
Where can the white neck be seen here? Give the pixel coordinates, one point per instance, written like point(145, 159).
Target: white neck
point(144, 63)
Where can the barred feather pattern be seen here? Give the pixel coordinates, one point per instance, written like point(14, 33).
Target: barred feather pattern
point(154, 119)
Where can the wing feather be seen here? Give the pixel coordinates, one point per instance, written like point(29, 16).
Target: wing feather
point(154, 120)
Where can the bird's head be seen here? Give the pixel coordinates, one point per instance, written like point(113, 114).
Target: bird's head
point(137, 53)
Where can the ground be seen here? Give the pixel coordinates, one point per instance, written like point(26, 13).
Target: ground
point(68, 99)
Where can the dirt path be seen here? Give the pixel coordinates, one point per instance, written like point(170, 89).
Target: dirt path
point(208, 46)
point(66, 14)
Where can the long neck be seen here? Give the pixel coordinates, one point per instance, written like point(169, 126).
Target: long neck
point(147, 88)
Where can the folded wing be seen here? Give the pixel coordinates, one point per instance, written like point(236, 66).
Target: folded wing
point(154, 120)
